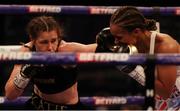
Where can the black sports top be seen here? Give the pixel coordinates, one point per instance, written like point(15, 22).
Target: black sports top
point(52, 79)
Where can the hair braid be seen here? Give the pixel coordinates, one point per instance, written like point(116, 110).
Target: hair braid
point(130, 18)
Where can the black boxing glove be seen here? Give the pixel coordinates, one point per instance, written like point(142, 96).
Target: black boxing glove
point(104, 40)
point(105, 43)
point(27, 71)
point(130, 49)
point(134, 71)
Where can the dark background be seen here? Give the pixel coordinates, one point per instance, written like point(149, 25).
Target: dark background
point(81, 28)
point(96, 2)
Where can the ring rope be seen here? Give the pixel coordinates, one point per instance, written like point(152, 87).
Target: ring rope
point(102, 10)
point(82, 58)
point(93, 101)
point(105, 58)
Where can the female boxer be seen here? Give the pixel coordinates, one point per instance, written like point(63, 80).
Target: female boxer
point(55, 87)
point(129, 26)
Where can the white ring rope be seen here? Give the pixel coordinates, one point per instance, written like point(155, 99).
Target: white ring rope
point(8, 55)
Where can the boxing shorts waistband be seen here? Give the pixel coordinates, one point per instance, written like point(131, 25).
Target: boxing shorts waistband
point(41, 104)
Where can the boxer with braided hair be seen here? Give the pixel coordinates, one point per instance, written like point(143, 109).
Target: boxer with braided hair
point(55, 86)
point(129, 26)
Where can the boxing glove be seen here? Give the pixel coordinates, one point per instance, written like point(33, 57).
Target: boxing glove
point(134, 71)
point(27, 71)
point(105, 43)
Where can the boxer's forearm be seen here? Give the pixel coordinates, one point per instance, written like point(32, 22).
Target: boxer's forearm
point(11, 91)
point(160, 90)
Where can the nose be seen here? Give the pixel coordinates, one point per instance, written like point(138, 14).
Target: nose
point(50, 46)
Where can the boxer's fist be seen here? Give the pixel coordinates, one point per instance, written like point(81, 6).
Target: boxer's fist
point(105, 43)
point(104, 40)
point(134, 71)
point(28, 70)
point(127, 68)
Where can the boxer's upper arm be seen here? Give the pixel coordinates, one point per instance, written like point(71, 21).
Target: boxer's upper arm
point(78, 47)
point(89, 47)
point(166, 74)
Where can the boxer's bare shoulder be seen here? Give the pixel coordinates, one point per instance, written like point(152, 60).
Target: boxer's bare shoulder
point(26, 46)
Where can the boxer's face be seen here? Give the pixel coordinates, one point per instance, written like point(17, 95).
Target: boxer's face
point(121, 35)
point(47, 41)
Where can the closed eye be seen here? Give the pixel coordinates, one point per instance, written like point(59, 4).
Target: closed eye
point(54, 40)
point(44, 42)
point(119, 37)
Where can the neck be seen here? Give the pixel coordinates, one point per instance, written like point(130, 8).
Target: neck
point(143, 44)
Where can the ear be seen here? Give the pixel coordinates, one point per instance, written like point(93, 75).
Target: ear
point(31, 39)
point(136, 31)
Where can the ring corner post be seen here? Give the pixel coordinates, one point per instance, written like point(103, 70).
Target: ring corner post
point(149, 87)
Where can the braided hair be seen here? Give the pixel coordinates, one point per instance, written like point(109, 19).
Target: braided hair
point(130, 18)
